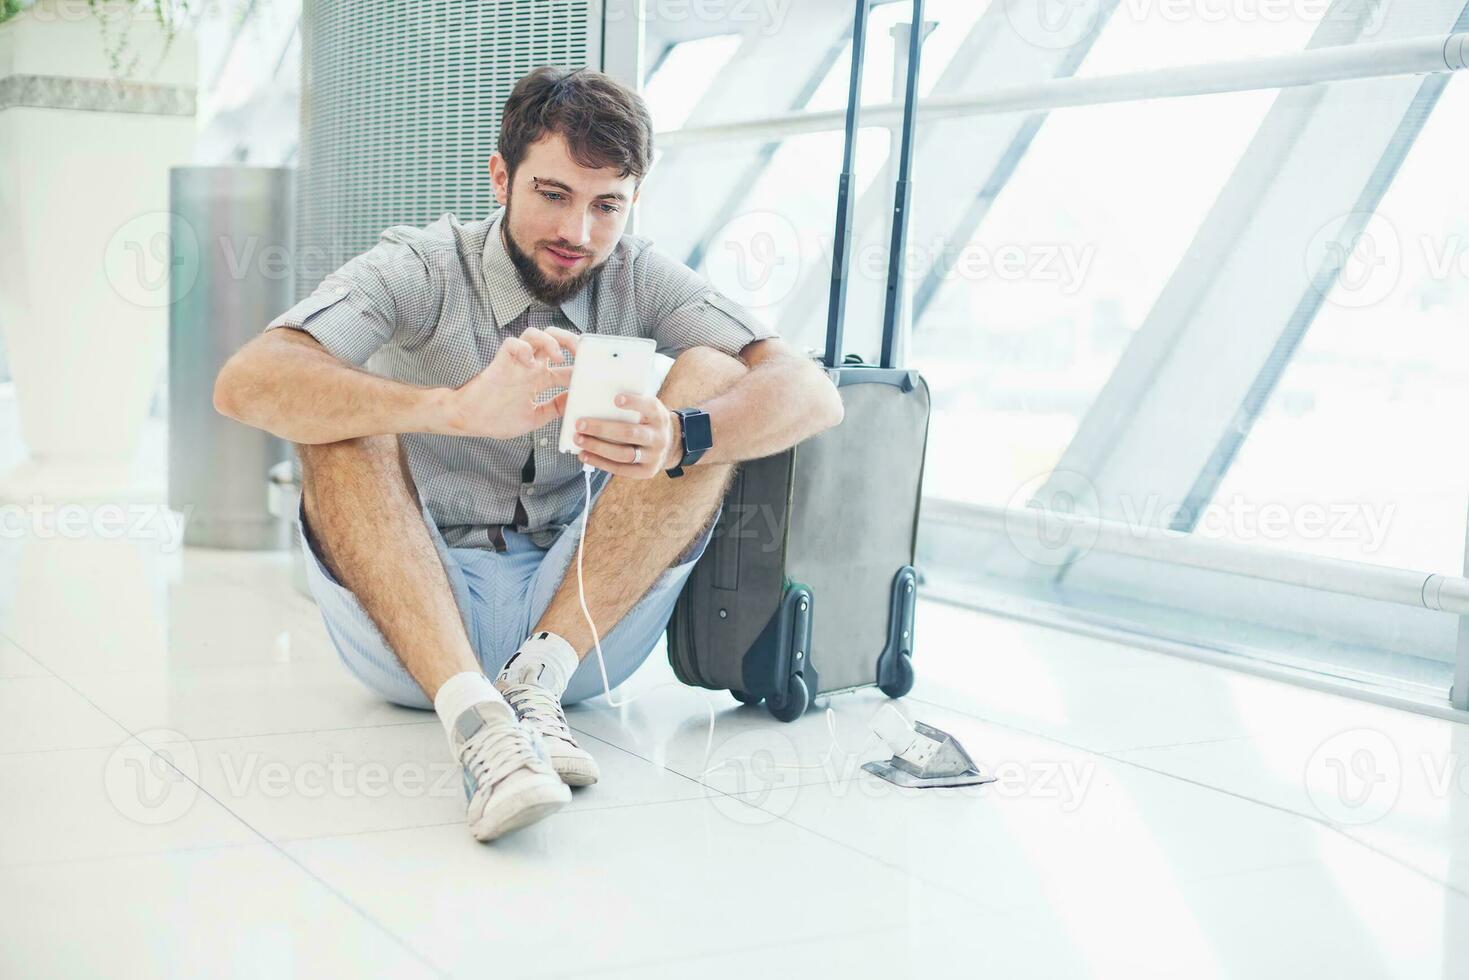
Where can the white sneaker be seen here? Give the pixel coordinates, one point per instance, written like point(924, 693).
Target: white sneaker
point(540, 711)
point(507, 777)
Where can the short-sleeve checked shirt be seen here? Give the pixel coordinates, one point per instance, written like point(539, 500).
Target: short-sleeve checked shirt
point(431, 306)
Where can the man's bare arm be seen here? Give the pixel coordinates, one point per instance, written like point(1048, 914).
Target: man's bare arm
point(286, 383)
point(783, 399)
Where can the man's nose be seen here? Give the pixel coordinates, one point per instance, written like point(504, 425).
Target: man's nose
point(574, 229)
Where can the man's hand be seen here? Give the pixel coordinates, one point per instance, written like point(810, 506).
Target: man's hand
point(613, 446)
point(500, 401)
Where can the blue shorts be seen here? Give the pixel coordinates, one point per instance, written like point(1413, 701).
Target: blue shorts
point(501, 595)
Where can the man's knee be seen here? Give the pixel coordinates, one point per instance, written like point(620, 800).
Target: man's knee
point(699, 374)
point(349, 461)
point(346, 451)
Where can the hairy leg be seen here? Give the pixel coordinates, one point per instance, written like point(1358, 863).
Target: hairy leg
point(363, 516)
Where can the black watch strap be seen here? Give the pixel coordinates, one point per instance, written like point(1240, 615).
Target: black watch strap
point(695, 438)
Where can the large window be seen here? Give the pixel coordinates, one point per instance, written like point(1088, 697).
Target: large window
point(1032, 312)
point(1230, 318)
point(1351, 457)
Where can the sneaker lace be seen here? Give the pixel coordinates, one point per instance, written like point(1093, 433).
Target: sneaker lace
point(495, 752)
point(535, 704)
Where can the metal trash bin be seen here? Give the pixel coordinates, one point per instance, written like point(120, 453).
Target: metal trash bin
point(231, 274)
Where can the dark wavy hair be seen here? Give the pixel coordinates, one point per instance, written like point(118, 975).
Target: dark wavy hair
point(605, 123)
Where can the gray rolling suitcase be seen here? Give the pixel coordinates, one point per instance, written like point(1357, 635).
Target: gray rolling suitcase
point(808, 584)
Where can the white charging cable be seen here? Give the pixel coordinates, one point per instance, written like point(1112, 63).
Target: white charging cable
point(586, 470)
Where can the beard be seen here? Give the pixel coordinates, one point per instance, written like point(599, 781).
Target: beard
point(552, 292)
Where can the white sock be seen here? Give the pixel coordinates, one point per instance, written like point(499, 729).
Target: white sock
point(463, 691)
point(545, 659)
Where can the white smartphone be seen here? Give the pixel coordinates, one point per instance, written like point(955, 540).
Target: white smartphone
point(606, 367)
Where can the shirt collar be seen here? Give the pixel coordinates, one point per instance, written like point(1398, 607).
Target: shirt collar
point(508, 296)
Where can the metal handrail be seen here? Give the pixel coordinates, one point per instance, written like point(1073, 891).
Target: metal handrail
point(1380, 59)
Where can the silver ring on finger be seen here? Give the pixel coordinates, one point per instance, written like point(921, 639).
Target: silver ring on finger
point(637, 455)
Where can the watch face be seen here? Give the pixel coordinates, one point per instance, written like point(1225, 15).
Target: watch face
point(697, 434)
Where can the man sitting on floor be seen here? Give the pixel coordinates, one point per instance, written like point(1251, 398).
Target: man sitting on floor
point(439, 517)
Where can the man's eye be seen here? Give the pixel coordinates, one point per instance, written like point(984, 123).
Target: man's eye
point(608, 208)
point(551, 195)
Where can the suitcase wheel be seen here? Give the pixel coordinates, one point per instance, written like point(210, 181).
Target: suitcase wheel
point(903, 682)
point(796, 700)
point(744, 697)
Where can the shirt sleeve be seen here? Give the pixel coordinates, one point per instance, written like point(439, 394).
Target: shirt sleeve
point(388, 293)
point(684, 310)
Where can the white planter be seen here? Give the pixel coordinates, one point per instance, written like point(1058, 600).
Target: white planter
point(83, 290)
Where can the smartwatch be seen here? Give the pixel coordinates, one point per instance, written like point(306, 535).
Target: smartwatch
point(698, 437)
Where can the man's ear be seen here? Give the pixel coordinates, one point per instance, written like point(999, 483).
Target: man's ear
point(500, 178)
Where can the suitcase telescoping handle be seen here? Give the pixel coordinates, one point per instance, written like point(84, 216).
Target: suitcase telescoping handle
point(841, 247)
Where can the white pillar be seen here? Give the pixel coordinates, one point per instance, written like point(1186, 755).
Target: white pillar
point(84, 164)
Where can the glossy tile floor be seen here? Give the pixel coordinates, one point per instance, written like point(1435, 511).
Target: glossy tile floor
point(191, 785)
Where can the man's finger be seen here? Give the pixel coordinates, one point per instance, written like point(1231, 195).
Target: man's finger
point(548, 411)
point(543, 344)
point(620, 452)
point(565, 338)
point(628, 433)
point(611, 466)
point(644, 405)
point(519, 351)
